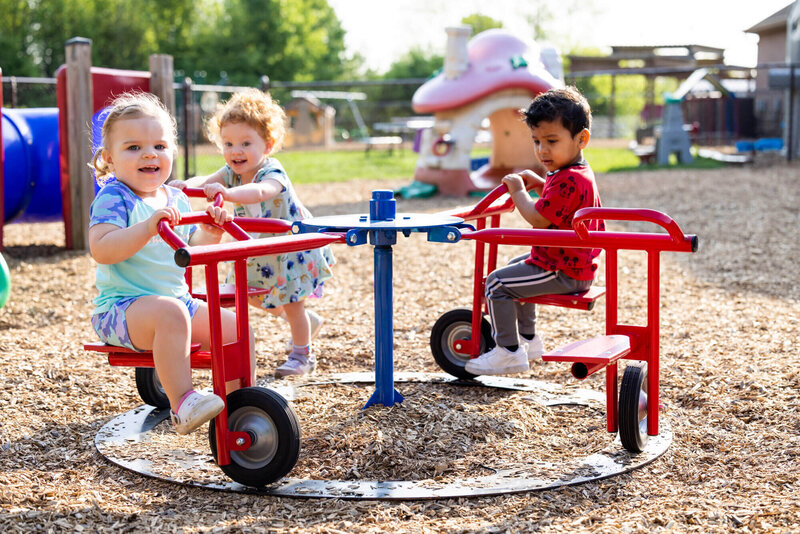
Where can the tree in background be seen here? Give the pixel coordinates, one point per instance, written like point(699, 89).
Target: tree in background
point(481, 23)
point(395, 100)
point(15, 42)
point(285, 39)
point(123, 34)
point(294, 40)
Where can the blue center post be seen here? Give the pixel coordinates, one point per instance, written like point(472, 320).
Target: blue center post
point(382, 207)
point(380, 228)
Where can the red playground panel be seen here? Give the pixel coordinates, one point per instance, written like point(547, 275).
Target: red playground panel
point(106, 84)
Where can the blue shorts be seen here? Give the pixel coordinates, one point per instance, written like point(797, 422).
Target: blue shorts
point(112, 328)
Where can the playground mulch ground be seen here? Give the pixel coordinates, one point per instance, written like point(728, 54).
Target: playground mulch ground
point(730, 376)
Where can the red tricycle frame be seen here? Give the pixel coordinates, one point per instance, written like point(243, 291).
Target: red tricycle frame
point(621, 341)
point(231, 362)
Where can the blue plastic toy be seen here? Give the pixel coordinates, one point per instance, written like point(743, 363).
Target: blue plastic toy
point(31, 167)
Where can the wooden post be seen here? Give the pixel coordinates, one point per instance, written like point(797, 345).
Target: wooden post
point(188, 127)
point(162, 75)
point(79, 120)
point(612, 108)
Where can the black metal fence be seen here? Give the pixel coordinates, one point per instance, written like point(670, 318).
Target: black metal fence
point(359, 105)
point(24, 92)
point(753, 108)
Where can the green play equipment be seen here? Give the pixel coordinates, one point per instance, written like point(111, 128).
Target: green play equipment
point(5, 282)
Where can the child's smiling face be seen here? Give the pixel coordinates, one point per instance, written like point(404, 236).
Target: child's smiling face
point(243, 148)
point(140, 153)
point(555, 146)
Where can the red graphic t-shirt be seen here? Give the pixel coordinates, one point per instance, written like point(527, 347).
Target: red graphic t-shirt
point(566, 191)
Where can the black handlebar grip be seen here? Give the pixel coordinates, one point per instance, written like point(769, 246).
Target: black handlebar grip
point(182, 257)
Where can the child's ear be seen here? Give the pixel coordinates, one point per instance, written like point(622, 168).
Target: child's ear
point(583, 138)
point(106, 156)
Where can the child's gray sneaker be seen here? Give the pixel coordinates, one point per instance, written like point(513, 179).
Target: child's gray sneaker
point(297, 365)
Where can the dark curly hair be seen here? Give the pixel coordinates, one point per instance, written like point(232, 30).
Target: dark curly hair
point(566, 104)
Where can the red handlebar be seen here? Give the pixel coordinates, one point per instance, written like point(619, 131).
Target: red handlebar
point(198, 193)
point(237, 229)
point(245, 246)
point(482, 207)
point(487, 201)
point(625, 214)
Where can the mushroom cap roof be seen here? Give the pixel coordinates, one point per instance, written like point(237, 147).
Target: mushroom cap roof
point(498, 60)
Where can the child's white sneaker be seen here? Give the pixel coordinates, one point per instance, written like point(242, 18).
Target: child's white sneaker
point(499, 361)
point(296, 365)
point(315, 325)
point(195, 410)
point(535, 348)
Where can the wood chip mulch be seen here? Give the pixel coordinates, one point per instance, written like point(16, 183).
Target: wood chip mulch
point(730, 375)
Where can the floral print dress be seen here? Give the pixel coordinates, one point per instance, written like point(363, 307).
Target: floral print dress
point(294, 276)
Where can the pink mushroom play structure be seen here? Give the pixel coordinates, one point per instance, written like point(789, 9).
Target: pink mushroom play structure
point(492, 76)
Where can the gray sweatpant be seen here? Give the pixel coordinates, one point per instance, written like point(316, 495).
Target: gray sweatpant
point(521, 280)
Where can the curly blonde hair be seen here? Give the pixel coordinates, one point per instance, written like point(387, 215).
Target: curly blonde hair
point(134, 105)
point(255, 108)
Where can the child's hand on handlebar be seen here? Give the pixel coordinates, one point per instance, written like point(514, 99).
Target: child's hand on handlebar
point(531, 179)
point(213, 189)
point(177, 184)
point(514, 183)
point(170, 213)
point(220, 216)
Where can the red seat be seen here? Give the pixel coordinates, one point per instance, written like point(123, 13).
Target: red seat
point(125, 357)
point(227, 294)
point(102, 347)
point(579, 301)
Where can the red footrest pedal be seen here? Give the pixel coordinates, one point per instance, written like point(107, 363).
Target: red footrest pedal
point(597, 350)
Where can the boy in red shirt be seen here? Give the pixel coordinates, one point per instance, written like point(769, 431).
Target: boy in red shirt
point(559, 121)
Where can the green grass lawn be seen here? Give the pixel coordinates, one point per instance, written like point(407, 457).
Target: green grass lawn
point(342, 165)
point(305, 167)
point(605, 160)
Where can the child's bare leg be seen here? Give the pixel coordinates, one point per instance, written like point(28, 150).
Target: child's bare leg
point(256, 302)
point(162, 324)
point(202, 334)
point(298, 323)
point(300, 360)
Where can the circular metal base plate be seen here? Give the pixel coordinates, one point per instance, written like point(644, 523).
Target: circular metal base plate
point(117, 438)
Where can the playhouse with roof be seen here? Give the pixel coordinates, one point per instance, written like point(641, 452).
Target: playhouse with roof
point(490, 77)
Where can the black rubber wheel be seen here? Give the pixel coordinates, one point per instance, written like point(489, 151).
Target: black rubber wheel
point(633, 407)
point(451, 327)
point(149, 387)
point(274, 429)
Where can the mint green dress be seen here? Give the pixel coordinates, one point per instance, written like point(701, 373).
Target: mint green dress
point(294, 276)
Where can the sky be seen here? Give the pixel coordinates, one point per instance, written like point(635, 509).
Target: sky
point(382, 30)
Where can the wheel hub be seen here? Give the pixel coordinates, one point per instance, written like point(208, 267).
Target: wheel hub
point(263, 437)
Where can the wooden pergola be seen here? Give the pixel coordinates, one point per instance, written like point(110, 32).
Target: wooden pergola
point(652, 61)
